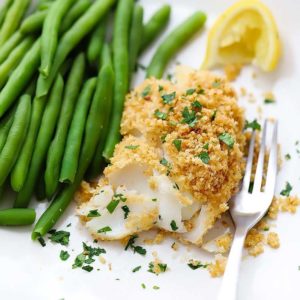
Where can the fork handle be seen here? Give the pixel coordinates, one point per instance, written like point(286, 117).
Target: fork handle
point(229, 283)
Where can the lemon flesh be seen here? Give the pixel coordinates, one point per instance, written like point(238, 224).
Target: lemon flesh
point(245, 33)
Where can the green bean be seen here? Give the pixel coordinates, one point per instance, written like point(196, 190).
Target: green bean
point(2, 188)
point(75, 136)
point(5, 125)
point(50, 34)
point(9, 45)
point(43, 141)
point(71, 38)
point(57, 147)
point(135, 37)
point(13, 59)
point(64, 197)
point(12, 20)
point(173, 42)
point(121, 69)
point(33, 23)
point(96, 43)
point(3, 10)
point(155, 25)
point(20, 78)
point(15, 138)
point(74, 13)
point(104, 90)
point(20, 169)
point(17, 216)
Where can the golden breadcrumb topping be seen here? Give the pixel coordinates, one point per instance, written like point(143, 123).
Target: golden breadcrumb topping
point(217, 268)
point(273, 240)
point(158, 239)
point(232, 71)
point(224, 242)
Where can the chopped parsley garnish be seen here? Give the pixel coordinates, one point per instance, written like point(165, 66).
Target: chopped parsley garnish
point(130, 244)
point(146, 91)
point(216, 84)
point(104, 229)
point(213, 116)
point(195, 264)
point(79, 261)
point(206, 146)
point(92, 251)
point(177, 144)
point(197, 105)
point(266, 228)
point(112, 205)
point(93, 213)
point(64, 255)
point(190, 92)
point(287, 156)
point(41, 241)
point(168, 98)
point(61, 237)
point(126, 210)
point(155, 287)
point(189, 117)
point(204, 156)
point(175, 186)
point(87, 268)
point(269, 101)
point(165, 163)
point(169, 77)
point(163, 138)
point(69, 224)
point(136, 269)
point(154, 199)
point(143, 285)
point(132, 147)
point(160, 115)
point(286, 192)
point(173, 225)
point(160, 88)
point(140, 250)
point(227, 139)
point(254, 125)
point(162, 268)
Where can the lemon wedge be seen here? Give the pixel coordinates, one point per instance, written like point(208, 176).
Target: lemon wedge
point(245, 33)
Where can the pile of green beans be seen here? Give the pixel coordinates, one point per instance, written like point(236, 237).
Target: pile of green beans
point(62, 90)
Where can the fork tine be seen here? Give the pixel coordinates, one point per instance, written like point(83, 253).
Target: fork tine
point(260, 162)
point(272, 164)
point(248, 171)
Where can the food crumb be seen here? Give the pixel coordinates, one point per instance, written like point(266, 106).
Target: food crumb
point(243, 91)
point(175, 246)
point(102, 260)
point(254, 242)
point(158, 239)
point(224, 242)
point(273, 240)
point(217, 268)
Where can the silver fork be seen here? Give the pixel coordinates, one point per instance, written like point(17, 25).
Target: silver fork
point(248, 208)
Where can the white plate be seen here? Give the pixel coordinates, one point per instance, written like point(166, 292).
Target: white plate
point(30, 272)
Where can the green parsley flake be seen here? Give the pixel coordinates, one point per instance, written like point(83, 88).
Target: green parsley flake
point(140, 250)
point(163, 138)
point(160, 88)
point(204, 156)
point(269, 101)
point(143, 285)
point(197, 105)
point(112, 205)
point(177, 144)
point(286, 192)
point(126, 210)
point(227, 139)
point(169, 77)
point(266, 228)
point(160, 115)
point(168, 98)
point(146, 91)
point(87, 268)
point(190, 92)
point(93, 213)
point(61, 237)
point(189, 117)
point(41, 241)
point(104, 229)
point(154, 199)
point(132, 147)
point(173, 225)
point(136, 249)
point(136, 269)
point(213, 116)
point(287, 156)
point(254, 125)
point(155, 287)
point(165, 163)
point(64, 255)
point(206, 146)
point(195, 264)
point(175, 186)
